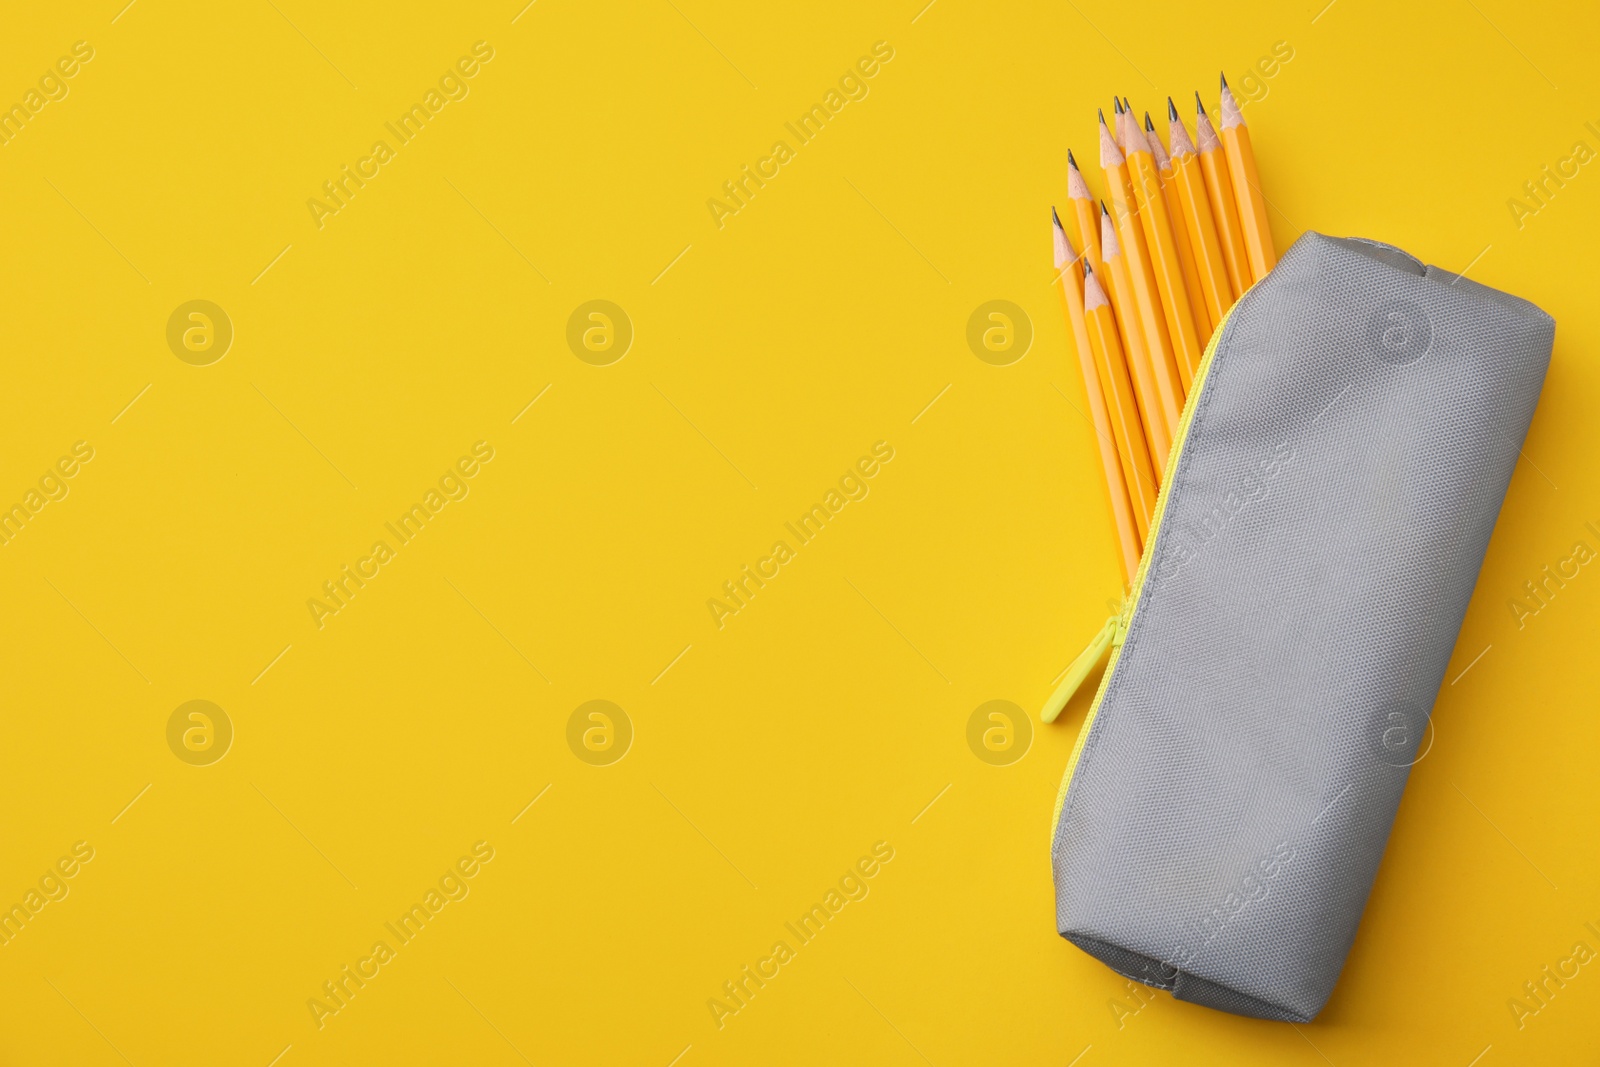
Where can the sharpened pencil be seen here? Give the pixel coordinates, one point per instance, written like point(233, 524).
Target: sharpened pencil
point(1104, 415)
point(1084, 214)
point(1253, 219)
point(1224, 208)
point(1117, 386)
point(1203, 322)
point(1127, 427)
point(1216, 290)
point(1165, 260)
point(1146, 298)
point(1159, 421)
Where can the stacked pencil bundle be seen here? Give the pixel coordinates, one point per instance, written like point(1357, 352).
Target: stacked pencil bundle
point(1147, 275)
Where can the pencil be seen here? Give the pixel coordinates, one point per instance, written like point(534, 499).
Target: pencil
point(1146, 300)
point(1189, 187)
point(1165, 259)
point(1133, 451)
point(1203, 323)
point(1158, 426)
point(1101, 327)
point(1247, 187)
point(1131, 525)
point(1124, 116)
point(1084, 215)
point(1136, 352)
point(1127, 427)
point(1134, 342)
point(1219, 190)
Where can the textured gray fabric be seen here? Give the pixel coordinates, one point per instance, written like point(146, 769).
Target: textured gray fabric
point(1349, 453)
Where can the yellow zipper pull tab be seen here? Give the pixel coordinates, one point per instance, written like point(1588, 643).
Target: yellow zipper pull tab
point(1112, 632)
point(1124, 617)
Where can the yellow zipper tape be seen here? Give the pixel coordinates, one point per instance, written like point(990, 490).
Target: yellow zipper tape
point(1125, 620)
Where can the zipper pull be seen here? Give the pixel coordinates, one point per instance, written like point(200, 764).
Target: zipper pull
point(1110, 635)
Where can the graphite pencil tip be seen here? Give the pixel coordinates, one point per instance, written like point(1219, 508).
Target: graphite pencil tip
point(1116, 106)
point(1172, 110)
point(1224, 78)
point(1127, 105)
point(1110, 247)
point(1231, 116)
point(1205, 135)
point(1094, 294)
point(1181, 144)
point(1102, 113)
point(1132, 136)
point(1199, 105)
point(1110, 153)
point(1064, 254)
point(1103, 210)
point(1077, 188)
point(1153, 140)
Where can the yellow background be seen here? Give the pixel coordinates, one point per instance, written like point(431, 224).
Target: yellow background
point(831, 711)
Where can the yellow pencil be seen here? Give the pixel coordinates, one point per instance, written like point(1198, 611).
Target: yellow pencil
point(1219, 190)
point(1216, 290)
point(1117, 386)
point(1102, 330)
point(1085, 215)
point(1153, 411)
point(1203, 323)
point(1165, 259)
point(1247, 187)
point(1146, 298)
point(1131, 524)
point(1126, 321)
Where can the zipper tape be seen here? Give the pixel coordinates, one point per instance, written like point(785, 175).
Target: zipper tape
point(1116, 629)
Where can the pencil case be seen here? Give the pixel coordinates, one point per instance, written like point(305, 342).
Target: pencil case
point(1336, 476)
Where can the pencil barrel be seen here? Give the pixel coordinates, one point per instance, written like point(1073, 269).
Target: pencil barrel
point(1216, 289)
point(1225, 210)
point(1152, 413)
point(1165, 266)
point(1085, 221)
point(1145, 300)
point(1131, 523)
point(1254, 223)
point(1204, 323)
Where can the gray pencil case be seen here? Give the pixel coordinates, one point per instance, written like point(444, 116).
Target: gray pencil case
point(1337, 474)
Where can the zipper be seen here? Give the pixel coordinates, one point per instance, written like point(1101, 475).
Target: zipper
point(1115, 631)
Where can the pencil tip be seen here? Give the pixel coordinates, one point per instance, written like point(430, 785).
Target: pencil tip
point(1149, 126)
point(1116, 106)
point(1055, 218)
point(1172, 110)
point(1224, 78)
point(1103, 210)
point(1127, 105)
point(1086, 268)
point(1071, 162)
point(1199, 105)
point(1102, 112)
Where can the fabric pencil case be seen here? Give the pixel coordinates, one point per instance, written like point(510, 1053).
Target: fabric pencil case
point(1336, 476)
